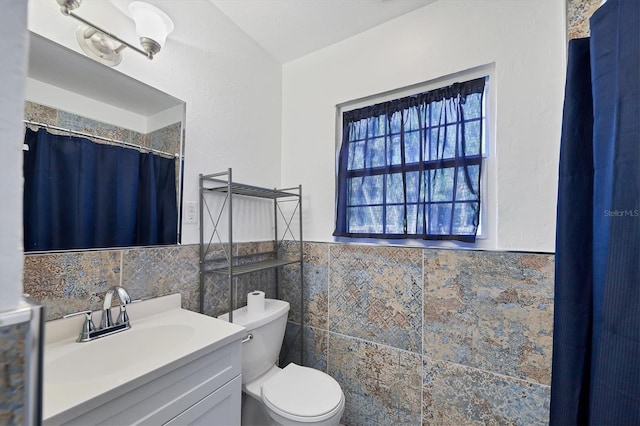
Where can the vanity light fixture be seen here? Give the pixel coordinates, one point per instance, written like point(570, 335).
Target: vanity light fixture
point(152, 26)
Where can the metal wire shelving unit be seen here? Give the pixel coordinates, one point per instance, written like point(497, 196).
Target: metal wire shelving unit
point(222, 185)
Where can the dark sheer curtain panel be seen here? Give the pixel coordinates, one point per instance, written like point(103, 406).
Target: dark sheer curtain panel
point(410, 167)
point(596, 338)
point(79, 194)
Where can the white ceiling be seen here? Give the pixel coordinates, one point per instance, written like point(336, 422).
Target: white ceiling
point(290, 29)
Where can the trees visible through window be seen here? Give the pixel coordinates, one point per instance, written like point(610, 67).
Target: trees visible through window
point(411, 167)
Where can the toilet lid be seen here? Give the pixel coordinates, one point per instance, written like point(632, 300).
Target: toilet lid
point(302, 392)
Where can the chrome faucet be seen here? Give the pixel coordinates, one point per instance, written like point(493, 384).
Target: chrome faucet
point(107, 326)
point(123, 317)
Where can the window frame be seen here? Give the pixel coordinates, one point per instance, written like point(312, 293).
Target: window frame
point(486, 233)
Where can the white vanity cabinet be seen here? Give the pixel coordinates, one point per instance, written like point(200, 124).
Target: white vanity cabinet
point(208, 387)
point(192, 379)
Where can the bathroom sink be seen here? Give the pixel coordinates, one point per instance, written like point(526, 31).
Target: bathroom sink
point(78, 377)
point(91, 360)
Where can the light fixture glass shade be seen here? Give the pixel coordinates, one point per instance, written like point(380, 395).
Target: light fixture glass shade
point(151, 23)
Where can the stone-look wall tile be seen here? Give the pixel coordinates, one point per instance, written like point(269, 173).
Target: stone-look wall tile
point(264, 280)
point(375, 294)
point(459, 395)
point(159, 271)
point(490, 310)
point(216, 295)
point(166, 139)
point(216, 292)
point(12, 373)
point(315, 347)
point(87, 125)
point(257, 247)
point(216, 288)
point(315, 282)
point(289, 289)
point(255, 281)
point(382, 385)
point(141, 139)
point(40, 113)
point(70, 282)
point(578, 14)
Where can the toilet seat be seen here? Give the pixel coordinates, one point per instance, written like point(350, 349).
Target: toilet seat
point(302, 394)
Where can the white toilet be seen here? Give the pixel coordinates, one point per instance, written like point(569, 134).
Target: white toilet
point(293, 395)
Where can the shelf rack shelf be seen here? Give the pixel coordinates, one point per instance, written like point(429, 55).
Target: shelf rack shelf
point(253, 267)
point(222, 185)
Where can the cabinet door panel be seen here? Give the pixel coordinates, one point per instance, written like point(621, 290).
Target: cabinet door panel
point(222, 408)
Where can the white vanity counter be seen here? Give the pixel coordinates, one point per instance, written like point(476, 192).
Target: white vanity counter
point(169, 354)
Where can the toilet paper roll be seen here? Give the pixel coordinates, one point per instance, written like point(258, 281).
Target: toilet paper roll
point(255, 303)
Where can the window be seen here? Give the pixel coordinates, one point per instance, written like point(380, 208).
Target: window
point(411, 167)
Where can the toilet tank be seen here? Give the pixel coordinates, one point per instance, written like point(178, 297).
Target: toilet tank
point(261, 352)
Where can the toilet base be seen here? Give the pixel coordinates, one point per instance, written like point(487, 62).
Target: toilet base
point(253, 413)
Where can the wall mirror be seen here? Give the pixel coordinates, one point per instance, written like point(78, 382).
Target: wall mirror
point(68, 93)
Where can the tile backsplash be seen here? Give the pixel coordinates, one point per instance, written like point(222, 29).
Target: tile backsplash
point(69, 282)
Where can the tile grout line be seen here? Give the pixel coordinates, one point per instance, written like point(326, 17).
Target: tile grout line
point(422, 369)
point(383, 345)
point(328, 254)
point(493, 373)
point(121, 267)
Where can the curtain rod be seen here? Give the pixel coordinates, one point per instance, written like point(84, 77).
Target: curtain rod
point(128, 144)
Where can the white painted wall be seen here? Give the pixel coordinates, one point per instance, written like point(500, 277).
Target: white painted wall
point(231, 86)
point(525, 39)
point(13, 68)
point(241, 103)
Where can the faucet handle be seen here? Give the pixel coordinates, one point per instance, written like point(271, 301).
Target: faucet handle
point(75, 314)
point(123, 317)
point(87, 327)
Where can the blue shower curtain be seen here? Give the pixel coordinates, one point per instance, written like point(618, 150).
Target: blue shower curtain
point(79, 194)
point(596, 349)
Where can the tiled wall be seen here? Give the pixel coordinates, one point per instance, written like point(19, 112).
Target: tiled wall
point(69, 282)
point(421, 336)
point(12, 374)
point(578, 14)
point(166, 139)
point(76, 281)
point(414, 336)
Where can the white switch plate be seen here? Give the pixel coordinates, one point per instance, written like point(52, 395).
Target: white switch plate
point(190, 212)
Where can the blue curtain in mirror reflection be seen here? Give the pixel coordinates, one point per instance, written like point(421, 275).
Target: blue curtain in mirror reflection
point(80, 194)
